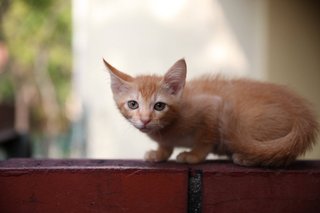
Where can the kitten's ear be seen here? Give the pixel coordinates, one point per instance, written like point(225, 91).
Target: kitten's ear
point(175, 78)
point(120, 82)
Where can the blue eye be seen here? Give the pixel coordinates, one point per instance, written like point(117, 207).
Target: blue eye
point(133, 104)
point(159, 106)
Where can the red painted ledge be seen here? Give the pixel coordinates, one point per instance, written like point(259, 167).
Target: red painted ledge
point(136, 186)
point(230, 188)
point(91, 186)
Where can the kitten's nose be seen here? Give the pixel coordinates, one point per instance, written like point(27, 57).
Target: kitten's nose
point(145, 121)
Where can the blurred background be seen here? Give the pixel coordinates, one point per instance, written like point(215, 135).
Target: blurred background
point(55, 97)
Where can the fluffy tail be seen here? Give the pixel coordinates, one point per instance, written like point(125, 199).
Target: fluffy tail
point(277, 152)
point(281, 151)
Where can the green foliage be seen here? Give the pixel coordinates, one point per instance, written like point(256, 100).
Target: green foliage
point(38, 5)
point(33, 24)
point(32, 28)
point(6, 88)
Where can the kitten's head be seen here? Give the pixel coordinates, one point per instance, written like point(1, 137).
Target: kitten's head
point(148, 102)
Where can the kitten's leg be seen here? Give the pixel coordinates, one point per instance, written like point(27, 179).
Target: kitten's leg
point(161, 154)
point(196, 155)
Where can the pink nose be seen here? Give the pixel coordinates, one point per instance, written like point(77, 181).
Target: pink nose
point(145, 121)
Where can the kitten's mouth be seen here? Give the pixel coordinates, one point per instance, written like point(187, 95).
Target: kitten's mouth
point(145, 129)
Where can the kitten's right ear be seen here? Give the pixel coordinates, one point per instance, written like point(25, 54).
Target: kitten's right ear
point(174, 79)
point(120, 82)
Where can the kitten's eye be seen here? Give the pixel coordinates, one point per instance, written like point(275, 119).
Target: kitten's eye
point(159, 106)
point(132, 104)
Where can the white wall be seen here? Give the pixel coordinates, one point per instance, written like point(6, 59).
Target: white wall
point(148, 37)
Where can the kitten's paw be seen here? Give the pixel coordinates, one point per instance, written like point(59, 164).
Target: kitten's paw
point(155, 156)
point(188, 157)
point(242, 161)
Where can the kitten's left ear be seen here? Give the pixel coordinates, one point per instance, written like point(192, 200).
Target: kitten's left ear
point(120, 82)
point(174, 80)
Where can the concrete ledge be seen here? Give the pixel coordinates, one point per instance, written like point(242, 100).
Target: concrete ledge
point(136, 186)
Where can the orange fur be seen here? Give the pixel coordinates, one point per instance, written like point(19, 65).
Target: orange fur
point(252, 122)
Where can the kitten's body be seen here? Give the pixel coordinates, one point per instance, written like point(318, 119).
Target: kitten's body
point(254, 123)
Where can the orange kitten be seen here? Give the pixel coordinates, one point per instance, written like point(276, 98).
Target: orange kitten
point(253, 123)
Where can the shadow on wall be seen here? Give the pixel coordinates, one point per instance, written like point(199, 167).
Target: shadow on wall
point(293, 56)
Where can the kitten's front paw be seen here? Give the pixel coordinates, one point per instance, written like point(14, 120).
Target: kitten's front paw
point(155, 156)
point(188, 157)
point(241, 160)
